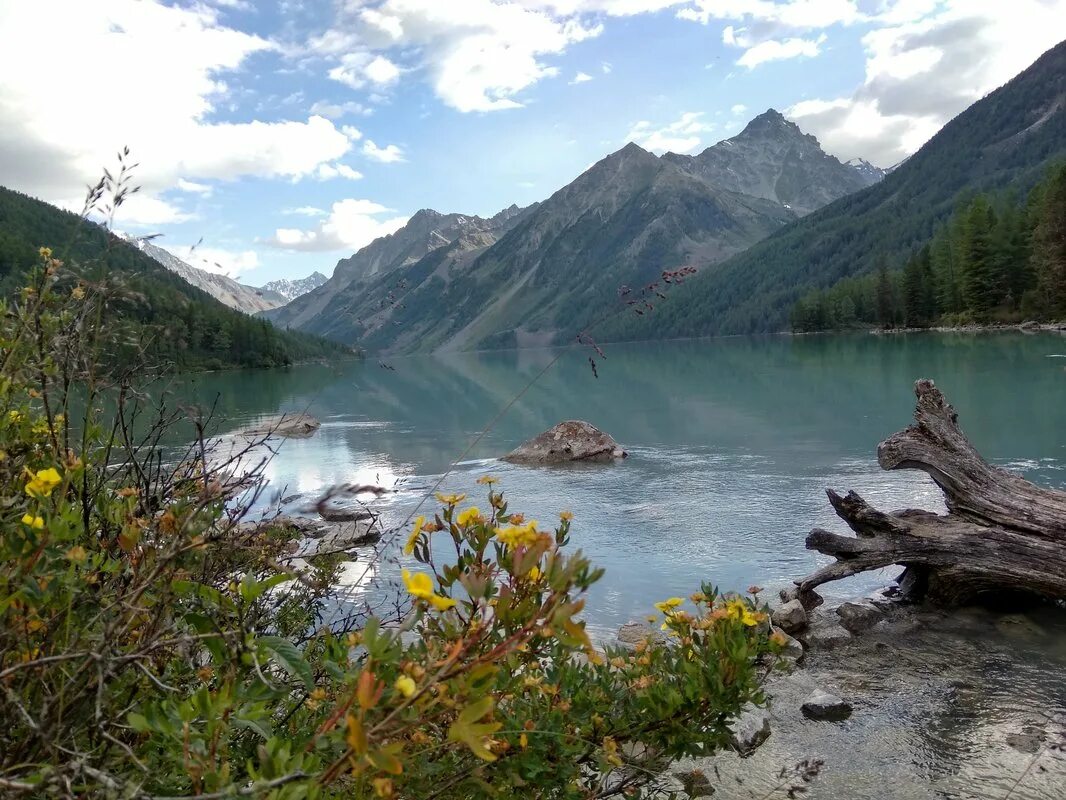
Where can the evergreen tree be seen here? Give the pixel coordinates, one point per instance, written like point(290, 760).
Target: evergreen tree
point(980, 283)
point(886, 307)
point(915, 313)
point(1049, 246)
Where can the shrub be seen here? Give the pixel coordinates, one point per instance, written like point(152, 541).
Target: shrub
point(154, 646)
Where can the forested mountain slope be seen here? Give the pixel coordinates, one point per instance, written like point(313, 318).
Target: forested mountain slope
point(174, 320)
point(1008, 138)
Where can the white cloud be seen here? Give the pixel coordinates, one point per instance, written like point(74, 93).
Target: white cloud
point(478, 54)
point(581, 77)
point(340, 110)
point(360, 68)
point(58, 128)
point(682, 136)
point(780, 50)
point(305, 211)
point(738, 109)
point(327, 172)
point(193, 187)
point(233, 263)
point(351, 225)
point(920, 74)
point(606, 67)
point(790, 14)
point(389, 154)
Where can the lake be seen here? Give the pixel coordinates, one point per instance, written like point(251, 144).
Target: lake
point(732, 442)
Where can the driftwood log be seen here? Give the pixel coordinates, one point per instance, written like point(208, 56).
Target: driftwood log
point(1001, 535)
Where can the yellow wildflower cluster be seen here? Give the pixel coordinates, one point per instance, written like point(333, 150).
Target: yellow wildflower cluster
point(450, 499)
point(420, 585)
point(42, 484)
point(472, 516)
point(737, 609)
point(518, 535)
point(33, 520)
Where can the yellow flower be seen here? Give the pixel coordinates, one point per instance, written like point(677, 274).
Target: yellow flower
point(33, 521)
point(45, 252)
point(42, 484)
point(534, 573)
point(566, 516)
point(420, 585)
point(487, 480)
point(405, 686)
point(409, 548)
point(450, 499)
point(77, 293)
point(736, 609)
point(14, 416)
point(523, 741)
point(469, 517)
point(383, 787)
point(666, 606)
point(518, 535)
point(77, 554)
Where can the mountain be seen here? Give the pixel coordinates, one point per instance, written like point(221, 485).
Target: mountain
point(337, 307)
point(870, 173)
point(1005, 140)
point(151, 307)
point(227, 291)
point(539, 275)
point(774, 160)
point(290, 290)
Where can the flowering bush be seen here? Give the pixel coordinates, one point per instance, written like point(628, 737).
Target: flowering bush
point(152, 646)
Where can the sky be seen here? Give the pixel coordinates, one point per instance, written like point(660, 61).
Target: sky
point(283, 135)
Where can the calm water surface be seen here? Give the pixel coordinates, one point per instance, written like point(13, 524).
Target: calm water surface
point(732, 442)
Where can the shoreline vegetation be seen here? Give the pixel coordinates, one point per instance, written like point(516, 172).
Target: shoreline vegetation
point(997, 262)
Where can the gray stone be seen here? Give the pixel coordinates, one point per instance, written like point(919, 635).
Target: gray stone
point(824, 706)
point(749, 730)
point(826, 634)
point(293, 426)
point(791, 617)
point(859, 617)
point(344, 513)
point(569, 441)
point(793, 649)
point(633, 633)
point(695, 783)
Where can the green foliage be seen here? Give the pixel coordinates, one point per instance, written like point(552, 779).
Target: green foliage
point(162, 314)
point(152, 646)
point(993, 261)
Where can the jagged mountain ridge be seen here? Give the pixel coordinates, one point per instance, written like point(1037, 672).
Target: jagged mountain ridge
point(773, 159)
point(1008, 138)
point(536, 276)
point(336, 308)
point(291, 289)
point(227, 291)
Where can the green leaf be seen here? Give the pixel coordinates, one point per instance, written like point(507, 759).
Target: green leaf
point(289, 657)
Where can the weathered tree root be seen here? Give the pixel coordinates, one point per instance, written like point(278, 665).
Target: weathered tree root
point(1001, 533)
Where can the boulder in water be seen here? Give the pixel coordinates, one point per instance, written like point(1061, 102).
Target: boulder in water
point(824, 706)
point(573, 440)
point(293, 426)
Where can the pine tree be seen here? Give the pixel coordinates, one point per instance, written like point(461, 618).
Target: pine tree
point(1049, 246)
point(979, 278)
point(886, 310)
point(914, 295)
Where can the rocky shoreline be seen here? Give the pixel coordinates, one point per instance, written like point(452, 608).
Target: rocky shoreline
point(901, 701)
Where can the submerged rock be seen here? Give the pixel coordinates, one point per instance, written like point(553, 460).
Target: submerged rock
point(633, 633)
point(292, 426)
point(574, 440)
point(859, 617)
point(824, 706)
point(749, 730)
point(791, 617)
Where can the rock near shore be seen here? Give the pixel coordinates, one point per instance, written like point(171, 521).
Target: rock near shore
point(292, 426)
point(570, 441)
